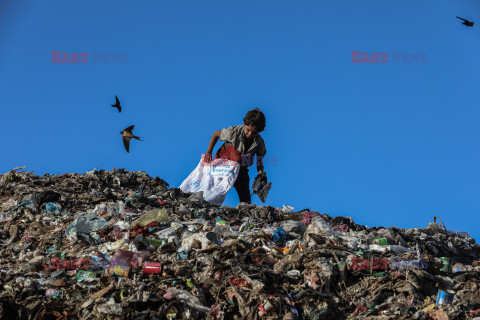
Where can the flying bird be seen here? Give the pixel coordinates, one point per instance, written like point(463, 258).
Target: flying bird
point(127, 135)
point(117, 104)
point(466, 22)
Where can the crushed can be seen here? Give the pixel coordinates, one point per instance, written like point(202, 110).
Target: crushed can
point(379, 241)
point(444, 297)
point(447, 265)
point(265, 308)
point(85, 275)
point(150, 267)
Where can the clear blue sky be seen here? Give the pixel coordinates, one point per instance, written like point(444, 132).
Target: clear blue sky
point(388, 144)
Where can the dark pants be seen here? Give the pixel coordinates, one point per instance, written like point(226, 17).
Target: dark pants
point(242, 185)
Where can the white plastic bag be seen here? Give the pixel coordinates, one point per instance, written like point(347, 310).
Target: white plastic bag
point(320, 227)
point(215, 179)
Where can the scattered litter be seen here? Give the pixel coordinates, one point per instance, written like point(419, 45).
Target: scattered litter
point(132, 248)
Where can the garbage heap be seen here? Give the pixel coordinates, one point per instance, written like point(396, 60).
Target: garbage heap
point(123, 245)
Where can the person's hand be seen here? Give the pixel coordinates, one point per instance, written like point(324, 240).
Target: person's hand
point(207, 158)
point(262, 176)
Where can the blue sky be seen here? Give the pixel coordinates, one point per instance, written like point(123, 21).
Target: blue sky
point(385, 143)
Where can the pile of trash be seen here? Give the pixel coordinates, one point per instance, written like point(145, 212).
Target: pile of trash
point(123, 245)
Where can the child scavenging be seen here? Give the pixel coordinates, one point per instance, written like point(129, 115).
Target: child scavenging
point(241, 144)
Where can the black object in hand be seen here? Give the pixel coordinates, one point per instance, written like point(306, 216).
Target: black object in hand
point(261, 186)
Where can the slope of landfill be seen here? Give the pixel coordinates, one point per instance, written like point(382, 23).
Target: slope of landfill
point(123, 245)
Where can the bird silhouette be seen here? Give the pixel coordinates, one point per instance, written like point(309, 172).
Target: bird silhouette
point(117, 104)
point(127, 135)
point(466, 22)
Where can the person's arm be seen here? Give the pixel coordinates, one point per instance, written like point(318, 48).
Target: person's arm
point(213, 141)
point(260, 155)
point(260, 169)
point(260, 164)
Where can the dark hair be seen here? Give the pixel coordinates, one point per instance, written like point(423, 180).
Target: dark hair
point(255, 118)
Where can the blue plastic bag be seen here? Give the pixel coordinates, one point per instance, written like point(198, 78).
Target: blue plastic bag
point(279, 235)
